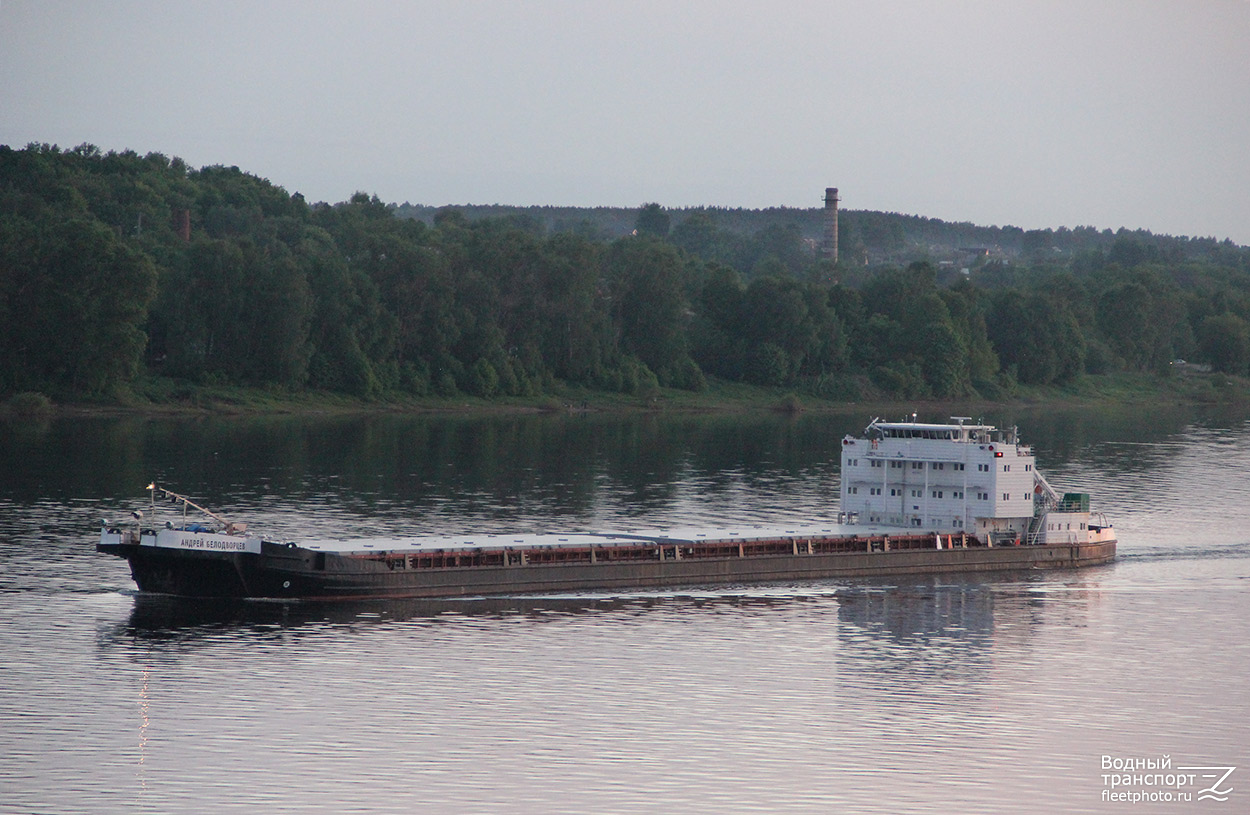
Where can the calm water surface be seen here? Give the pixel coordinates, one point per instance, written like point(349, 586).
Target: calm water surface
point(953, 694)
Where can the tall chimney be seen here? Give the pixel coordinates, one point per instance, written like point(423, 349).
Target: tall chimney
point(829, 246)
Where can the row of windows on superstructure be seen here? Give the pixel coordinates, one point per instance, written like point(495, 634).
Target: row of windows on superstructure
point(933, 465)
point(898, 492)
point(957, 523)
point(915, 465)
point(943, 434)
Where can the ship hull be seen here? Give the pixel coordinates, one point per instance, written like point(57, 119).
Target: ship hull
point(280, 571)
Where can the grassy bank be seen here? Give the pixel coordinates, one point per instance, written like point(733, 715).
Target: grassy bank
point(160, 396)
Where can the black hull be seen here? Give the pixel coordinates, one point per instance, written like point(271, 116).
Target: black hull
point(287, 572)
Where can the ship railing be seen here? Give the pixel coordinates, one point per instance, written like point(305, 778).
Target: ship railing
point(678, 550)
point(1012, 538)
point(126, 536)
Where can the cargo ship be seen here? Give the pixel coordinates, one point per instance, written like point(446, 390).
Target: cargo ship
point(916, 498)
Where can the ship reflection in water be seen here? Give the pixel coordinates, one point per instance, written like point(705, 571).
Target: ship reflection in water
point(906, 610)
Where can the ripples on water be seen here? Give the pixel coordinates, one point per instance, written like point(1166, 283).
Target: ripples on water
point(954, 694)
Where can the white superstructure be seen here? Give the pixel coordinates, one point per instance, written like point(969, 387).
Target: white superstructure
point(959, 478)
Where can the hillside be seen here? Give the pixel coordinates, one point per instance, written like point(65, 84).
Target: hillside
point(126, 277)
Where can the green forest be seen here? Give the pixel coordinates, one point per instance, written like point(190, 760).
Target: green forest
point(118, 269)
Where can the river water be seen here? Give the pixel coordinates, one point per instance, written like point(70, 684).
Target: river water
point(987, 694)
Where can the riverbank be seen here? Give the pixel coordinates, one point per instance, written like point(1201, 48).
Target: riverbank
point(161, 397)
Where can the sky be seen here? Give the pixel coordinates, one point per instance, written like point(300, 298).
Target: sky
point(1033, 113)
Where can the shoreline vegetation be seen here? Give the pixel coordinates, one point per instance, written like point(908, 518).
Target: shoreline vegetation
point(138, 284)
point(1108, 390)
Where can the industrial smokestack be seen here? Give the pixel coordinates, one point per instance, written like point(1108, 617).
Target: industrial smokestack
point(182, 223)
point(829, 246)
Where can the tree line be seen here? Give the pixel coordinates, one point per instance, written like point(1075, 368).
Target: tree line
point(116, 268)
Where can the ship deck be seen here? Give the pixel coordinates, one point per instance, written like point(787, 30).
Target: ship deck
point(814, 530)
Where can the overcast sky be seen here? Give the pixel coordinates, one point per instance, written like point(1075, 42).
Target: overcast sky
point(1036, 113)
